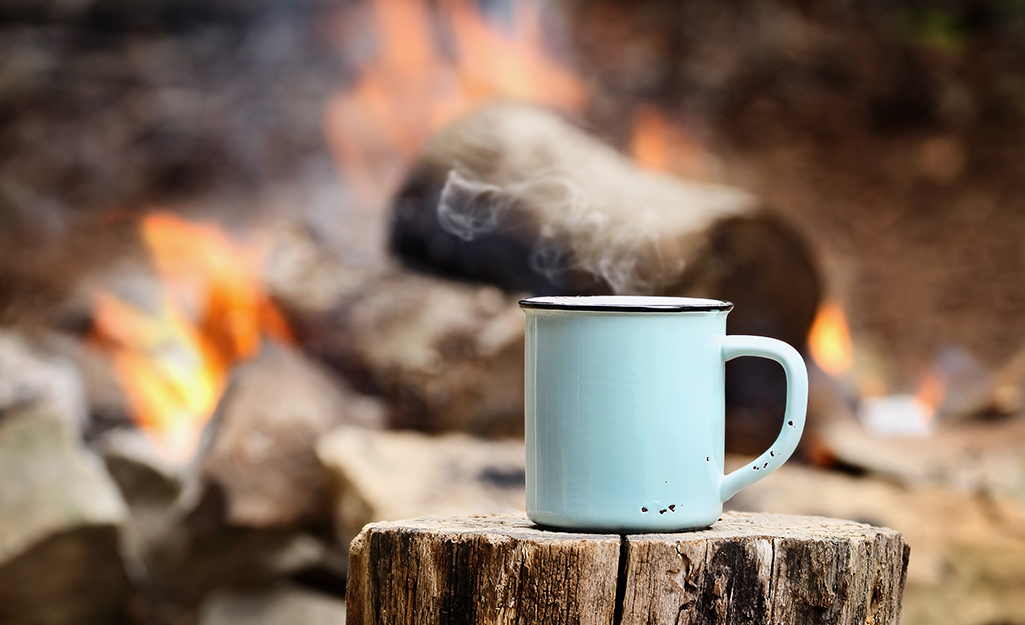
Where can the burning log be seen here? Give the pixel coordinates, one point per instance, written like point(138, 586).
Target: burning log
point(172, 354)
point(747, 568)
point(60, 523)
point(393, 475)
point(444, 355)
point(517, 197)
point(259, 467)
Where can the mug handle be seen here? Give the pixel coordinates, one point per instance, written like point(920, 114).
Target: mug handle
point(793, 420)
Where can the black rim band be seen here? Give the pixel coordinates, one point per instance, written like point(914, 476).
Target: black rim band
point(585, 303)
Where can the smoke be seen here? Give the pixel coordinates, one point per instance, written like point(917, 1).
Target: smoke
point(573, 234)
point(469, 208)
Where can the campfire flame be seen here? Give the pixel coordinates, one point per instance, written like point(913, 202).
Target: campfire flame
point(930, 392)
point(659, 143)
point(173, 365)
point(416, 84)
point(883, 411)
point(436, 61)
point(830, 340)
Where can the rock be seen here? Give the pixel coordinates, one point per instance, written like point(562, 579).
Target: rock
point(188, 566)
point(150, 486)
point(1007, 395)
point(106, 400)
point(986, 458)
point(142, 472)
point(243, 514)
point(382, 476)
point(444, 355)
point(448, 356)
point(173, 566)
point(280, 605)
point(60, 521)
point(967, 551)
point(829, 404)
point(35, 372)
point(258, 466)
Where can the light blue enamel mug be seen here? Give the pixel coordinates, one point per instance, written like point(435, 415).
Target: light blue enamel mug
point(625, 412)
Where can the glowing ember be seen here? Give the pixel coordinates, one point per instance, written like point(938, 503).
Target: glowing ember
point(830, 340)
point(172, 365)
point(415, 85)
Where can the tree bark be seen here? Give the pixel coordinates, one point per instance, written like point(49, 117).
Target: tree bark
point(747, 568)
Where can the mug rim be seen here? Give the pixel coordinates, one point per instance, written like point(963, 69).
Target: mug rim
point(625, 303)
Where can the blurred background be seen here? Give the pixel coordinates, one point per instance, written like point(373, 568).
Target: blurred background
point(259, 265)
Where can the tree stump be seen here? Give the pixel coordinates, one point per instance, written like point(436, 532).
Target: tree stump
point(747, 568)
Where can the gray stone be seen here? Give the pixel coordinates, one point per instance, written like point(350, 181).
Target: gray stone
point(187, 566)
point(282, 604)
point(60, 526)
point(150, 486)
point(105, 397)
point(35, 372)
point(982, 457)
point(388, 475)
point(258, 466)
point(444, 355)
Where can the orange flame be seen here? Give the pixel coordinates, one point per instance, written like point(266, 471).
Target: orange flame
point(830, 340)
point(172, 369)
point(658, 143)
point(930, 392)
point(412, 88)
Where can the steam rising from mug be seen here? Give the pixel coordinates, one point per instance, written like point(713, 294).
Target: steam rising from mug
point(572, 236)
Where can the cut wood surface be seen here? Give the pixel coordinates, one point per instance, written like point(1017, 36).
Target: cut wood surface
point(747, 568)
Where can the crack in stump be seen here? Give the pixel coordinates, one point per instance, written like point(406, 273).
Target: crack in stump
point(617, 614)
